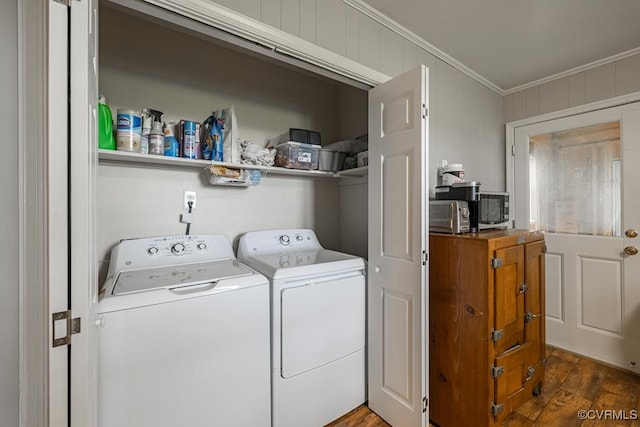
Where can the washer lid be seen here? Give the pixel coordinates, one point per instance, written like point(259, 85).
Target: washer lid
point(177, 276)
point(278, 265)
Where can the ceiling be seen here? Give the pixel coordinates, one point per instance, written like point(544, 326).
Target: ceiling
point(512, 43)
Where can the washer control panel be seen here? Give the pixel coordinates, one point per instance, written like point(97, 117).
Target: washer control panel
point(179, 248)
point(169, 250)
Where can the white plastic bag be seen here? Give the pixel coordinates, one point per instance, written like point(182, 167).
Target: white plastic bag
point(231, 147)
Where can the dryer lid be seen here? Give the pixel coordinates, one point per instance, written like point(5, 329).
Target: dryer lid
point(177, 276)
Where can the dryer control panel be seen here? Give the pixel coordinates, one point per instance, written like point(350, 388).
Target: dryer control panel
point(260, 242)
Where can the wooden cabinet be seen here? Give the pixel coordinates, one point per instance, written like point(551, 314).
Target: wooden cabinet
point(486, 325)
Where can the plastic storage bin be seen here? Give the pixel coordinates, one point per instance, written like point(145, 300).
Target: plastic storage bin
point(296, 135)
point(296, 155)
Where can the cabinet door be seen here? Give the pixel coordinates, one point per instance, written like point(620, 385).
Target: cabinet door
point(509, 298)
point(510, 391)
point(534, 300)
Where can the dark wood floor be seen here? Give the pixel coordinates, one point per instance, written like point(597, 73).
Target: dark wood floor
point(572, 384)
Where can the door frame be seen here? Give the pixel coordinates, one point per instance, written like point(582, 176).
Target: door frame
point(511, 127)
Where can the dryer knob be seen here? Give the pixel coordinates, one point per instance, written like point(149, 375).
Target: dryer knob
point(284, 240)
point(178, 249)
point(201, 246)
point(152, 250)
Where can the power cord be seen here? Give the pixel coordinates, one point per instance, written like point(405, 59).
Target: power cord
point(188, 217)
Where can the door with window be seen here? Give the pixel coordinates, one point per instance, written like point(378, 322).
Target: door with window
point(577, 179)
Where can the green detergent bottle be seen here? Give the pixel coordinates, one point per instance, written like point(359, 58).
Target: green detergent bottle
point(105, 125)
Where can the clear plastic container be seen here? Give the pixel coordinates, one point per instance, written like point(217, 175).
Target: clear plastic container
point(296, 155)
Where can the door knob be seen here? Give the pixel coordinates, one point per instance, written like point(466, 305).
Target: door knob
point(631, 233)
point(631, 250)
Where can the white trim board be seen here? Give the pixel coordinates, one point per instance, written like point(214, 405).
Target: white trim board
point(279, 44)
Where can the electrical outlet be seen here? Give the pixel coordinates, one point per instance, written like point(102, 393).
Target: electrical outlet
point(189, 196)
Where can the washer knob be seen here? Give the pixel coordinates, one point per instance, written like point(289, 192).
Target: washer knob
point(201, 246)
point(299, 238)
point(284, 240)
point(152, 250)
point(178, 249)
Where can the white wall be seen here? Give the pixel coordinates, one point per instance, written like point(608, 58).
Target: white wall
point(186, 77)
point(9, 250)
point(607, 81)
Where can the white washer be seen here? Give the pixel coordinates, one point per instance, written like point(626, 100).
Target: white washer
point(183, 336)
point(317, 325)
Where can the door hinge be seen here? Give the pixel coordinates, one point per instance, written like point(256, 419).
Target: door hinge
point(72, 327)
point(544, 249)
point(513, 150)
point(496, 409)
point(496, 371)
point(523, 288)
point(425, 257)
point(425, 403)
point(425, 111)
point(496, 334)
point(496, 262)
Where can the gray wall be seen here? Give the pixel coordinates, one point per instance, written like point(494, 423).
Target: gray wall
point(466, 124)
point(9, 302)
point(604, 82)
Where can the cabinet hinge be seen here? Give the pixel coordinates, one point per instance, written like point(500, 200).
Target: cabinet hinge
point(72, 327)
point(425, 257)
point(544, 249)
point(496, 409)
point(529, 316)
point(496, 262)
point(496, 371)
point(425, 403)
point(531, 371)
point(496, 334)
point(425, 111)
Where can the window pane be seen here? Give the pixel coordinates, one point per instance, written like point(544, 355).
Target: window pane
point(574, 178)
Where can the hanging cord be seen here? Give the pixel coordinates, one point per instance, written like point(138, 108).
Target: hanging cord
point(190, 203)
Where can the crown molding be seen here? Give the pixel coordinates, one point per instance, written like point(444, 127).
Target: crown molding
point(575, 70)
point(402, 31)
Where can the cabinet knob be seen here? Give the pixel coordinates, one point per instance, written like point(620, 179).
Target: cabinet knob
point(631, 233)
point(631, 250)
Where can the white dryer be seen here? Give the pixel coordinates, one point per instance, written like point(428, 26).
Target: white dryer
point(318, 319)
point(183, 331)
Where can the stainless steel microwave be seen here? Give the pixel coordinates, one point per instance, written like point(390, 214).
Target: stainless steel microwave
point(493, 210)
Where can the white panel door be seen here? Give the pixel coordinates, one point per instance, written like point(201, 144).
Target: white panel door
point(575, 178)
point(398, 244)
